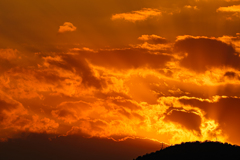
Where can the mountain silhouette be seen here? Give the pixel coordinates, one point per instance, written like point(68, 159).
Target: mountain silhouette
point(195, 151)
point(41, 146)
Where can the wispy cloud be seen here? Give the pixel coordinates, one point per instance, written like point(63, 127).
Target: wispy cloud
point(67, 27)
point(137, 15)
point(153, 38)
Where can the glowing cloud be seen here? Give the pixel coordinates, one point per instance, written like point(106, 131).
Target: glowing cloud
point(153, 38)
point(154, 47)
point(191, 7)
point(137, 15)
point(234, 8)
point(67, 27)
point(161, 70)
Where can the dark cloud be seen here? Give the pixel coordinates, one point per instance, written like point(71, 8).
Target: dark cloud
point(49, 77)
point(7, 106)
point(205, 53)
point(190, 121)
point(42, 75)
point(231, 75)
point(115, 59)
point(158, 41)
point(128, 59)
point(97, 125)
point(65, 114)
point(80, 66)
point(125, 113)
point(14, 118)
point(5, 65)
point(71, 111)
point(225, 112)
point(10, 111)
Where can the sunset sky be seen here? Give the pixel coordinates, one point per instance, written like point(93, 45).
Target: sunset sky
point(167, 70)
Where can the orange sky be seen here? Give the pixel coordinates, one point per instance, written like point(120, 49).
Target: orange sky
point(159, 70)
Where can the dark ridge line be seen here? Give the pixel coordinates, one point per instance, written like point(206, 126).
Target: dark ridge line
point(195, 151)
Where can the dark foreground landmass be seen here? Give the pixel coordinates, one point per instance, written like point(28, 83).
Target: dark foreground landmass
point(196, 151)
point(32, 146)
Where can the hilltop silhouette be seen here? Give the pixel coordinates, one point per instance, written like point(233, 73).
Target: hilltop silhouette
point(195, 151)
point(40, 146)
